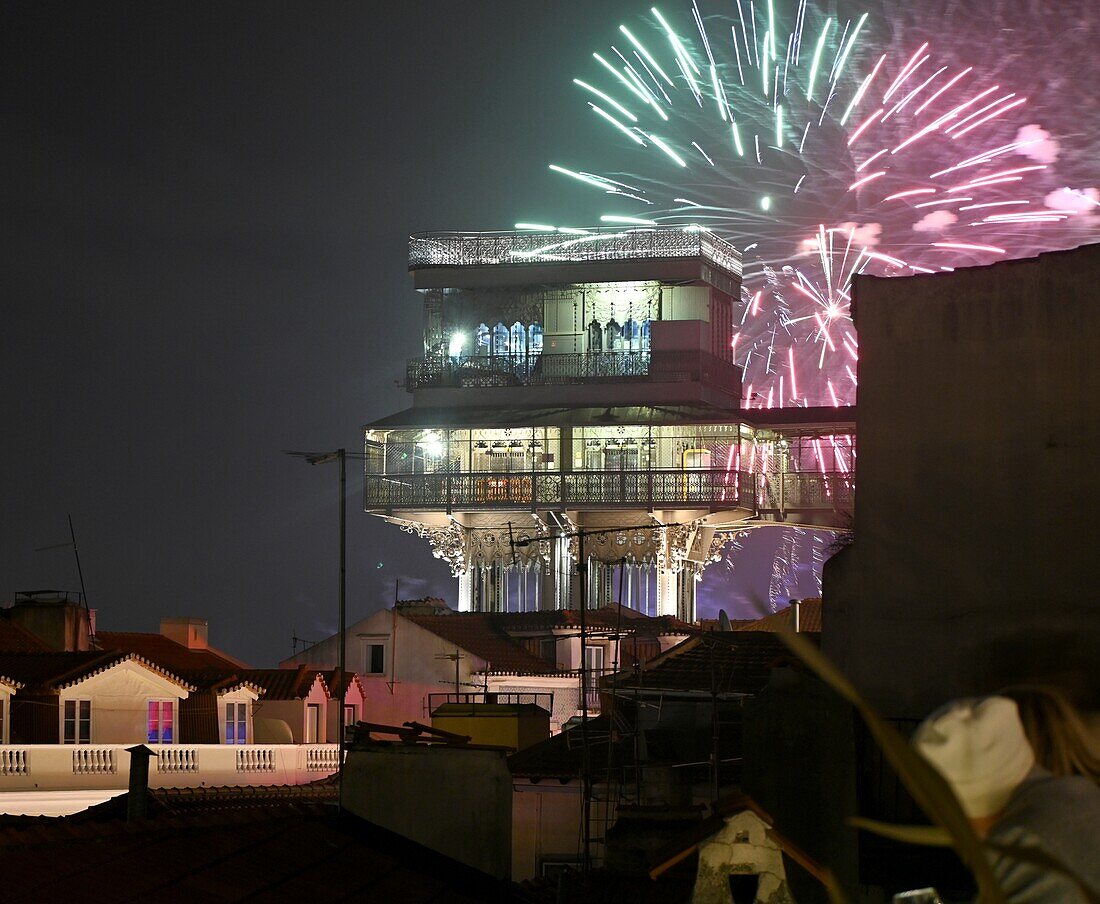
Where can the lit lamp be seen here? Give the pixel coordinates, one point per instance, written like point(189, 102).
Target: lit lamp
point(458, 341)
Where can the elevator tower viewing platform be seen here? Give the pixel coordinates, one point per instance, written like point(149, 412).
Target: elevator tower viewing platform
point(576, 398)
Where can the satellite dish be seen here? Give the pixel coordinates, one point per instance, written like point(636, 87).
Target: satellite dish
point(724, 621)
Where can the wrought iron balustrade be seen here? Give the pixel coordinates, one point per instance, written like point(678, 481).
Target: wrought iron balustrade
point(567, 369)
point(529, 489)
point(772, 493)
point(805, 491)
point(479, 249)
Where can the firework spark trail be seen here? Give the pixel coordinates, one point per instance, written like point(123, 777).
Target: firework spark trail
point(829, 157)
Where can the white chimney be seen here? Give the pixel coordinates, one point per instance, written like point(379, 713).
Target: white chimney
point(794, 616)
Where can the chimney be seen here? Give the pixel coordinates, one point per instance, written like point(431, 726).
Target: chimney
point(56, 617)
point(137, 797)
point(794, 616)
point(188, 632)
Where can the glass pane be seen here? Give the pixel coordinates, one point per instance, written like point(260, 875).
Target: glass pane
point(154, 722)
point(166, 715)
point(230, 724)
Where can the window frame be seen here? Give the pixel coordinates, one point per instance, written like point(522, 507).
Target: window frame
point(368, 657)
point(312, 732)
point(238, 719)
point(173, 710)
point(79, 718)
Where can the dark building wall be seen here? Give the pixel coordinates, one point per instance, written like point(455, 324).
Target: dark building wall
point(975, 555)
point(35, 719)
point(198, 718)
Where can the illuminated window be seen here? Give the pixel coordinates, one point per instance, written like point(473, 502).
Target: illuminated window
point(236, 723)
point(482, 342)
point(160, 722)
point(519, 339)
point(614, 336)
point(632, 336)
point(78, 722)
point(534, 339)
point(595, 337)
point(500, 339)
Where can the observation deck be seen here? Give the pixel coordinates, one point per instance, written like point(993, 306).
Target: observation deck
point(450, 259)
point(815, 497)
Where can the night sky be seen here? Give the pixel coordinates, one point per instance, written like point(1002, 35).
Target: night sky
point(206, 210)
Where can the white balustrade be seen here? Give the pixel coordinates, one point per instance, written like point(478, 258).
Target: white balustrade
point(13, 761)
point(255, 759)
point(95, 767)
point(93, 760)
point(171, 758)
point(322, 758)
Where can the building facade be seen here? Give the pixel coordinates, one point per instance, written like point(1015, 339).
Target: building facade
point(579, 432)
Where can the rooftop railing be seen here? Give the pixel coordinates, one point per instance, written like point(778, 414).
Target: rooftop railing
point(570, 369)
point(481, 249)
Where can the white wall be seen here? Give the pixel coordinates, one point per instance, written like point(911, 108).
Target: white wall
point(546, 824)
point(416, 665)
point(120, 697)
point(294, 712)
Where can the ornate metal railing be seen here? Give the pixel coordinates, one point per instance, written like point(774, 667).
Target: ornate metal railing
point(529, 489)
point(479, 249)
point(556, 370)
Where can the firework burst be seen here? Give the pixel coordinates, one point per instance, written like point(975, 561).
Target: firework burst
point(819, 157)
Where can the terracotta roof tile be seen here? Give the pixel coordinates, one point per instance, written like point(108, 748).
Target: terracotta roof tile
point(481, 634)
point(736, 663)
point(284, 684)
point(809, 619)
point(48, 672)
point(274, 853)
point(495, 636)
point(167, 653)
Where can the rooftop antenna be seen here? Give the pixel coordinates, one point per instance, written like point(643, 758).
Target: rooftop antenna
point(79, 572)
point(295, 640)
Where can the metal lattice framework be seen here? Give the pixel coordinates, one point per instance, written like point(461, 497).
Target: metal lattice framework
point(480, 249)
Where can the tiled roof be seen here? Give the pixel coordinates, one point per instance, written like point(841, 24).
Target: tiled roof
point(167, 653)
point(334, 681)
point(809, 619)
point(729, 662)
point(17, 639)
point(48, 672)
point(270, 853)
point(481, 633)
point(284, 684)
point(495, 636)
